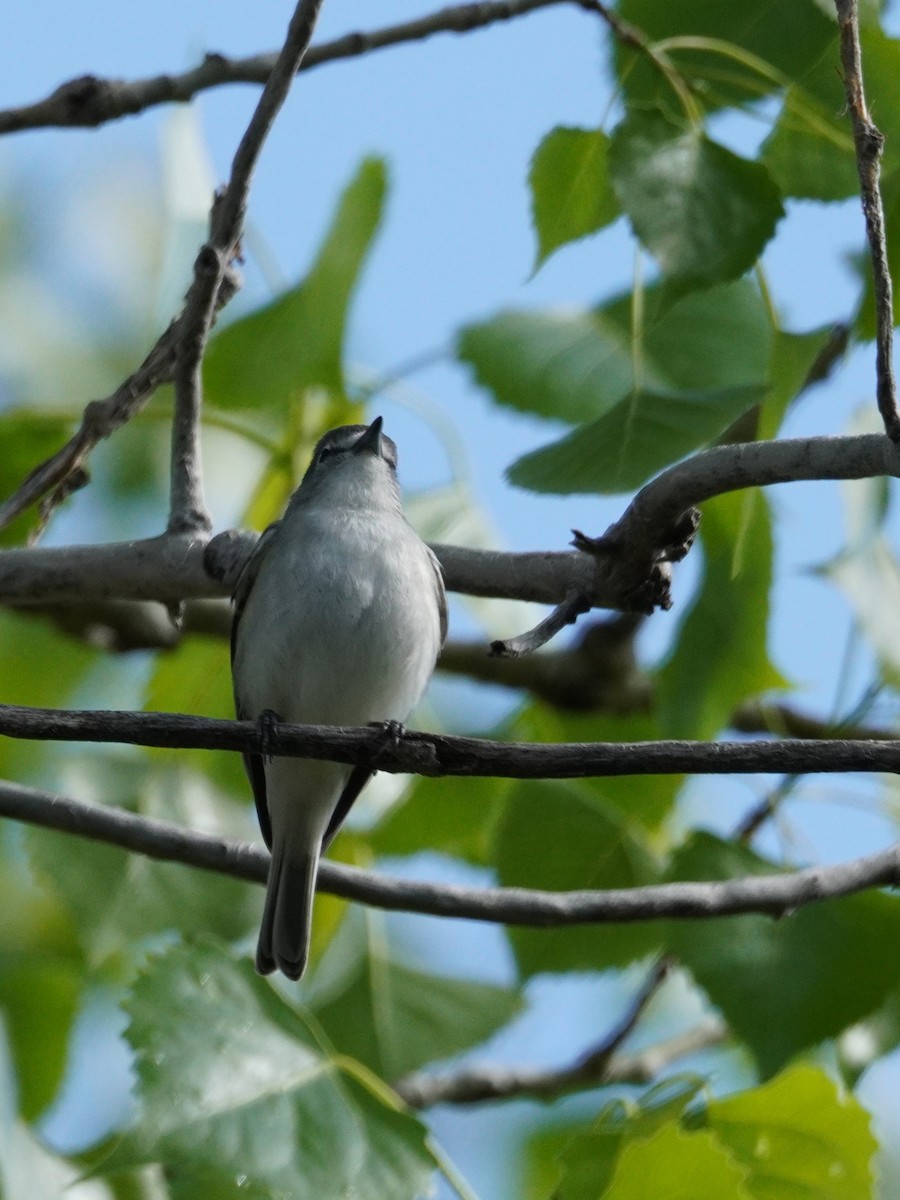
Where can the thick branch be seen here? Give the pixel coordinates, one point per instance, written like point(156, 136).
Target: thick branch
point(869, 143)
point(89, 101)
point(775, 895)
point(436, 755)
point(611, 576)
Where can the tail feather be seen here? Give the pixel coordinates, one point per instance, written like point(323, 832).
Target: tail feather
point(284, 934)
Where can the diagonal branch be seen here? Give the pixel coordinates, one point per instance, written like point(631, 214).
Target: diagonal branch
point(773, 895)
point(477, 1084)
point(869, 143)
point(90, 101)
point(436, 755)
point(187, 509)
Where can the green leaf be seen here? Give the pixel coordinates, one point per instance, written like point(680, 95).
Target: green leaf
point(571, 195)
point(587, 1161)
point(438, 815)
point(792, 36)
point(269, 358)
point(794, 358)
point(569, 366)
point(798, 1136)
point(628, 445)
point(394, 1019)
point(810, 152)
point(575, 366)
point(720, 656)
point(704, 213)
point(28, 438)
point(41, 971)
point(644, 801)
point(673, 1165)
point(233, 1083)
point(140, 898)
point(39, 1002)
point(561, 837)
point(784, 986)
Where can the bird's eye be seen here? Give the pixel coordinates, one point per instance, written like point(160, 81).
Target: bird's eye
point(326, 452)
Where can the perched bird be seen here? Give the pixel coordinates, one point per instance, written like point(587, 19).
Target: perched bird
point(340, 614)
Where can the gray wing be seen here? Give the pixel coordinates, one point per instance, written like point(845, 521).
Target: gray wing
point(253, 763)
point(440, 592)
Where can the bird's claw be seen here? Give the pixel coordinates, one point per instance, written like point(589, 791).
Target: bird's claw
point(268, 720)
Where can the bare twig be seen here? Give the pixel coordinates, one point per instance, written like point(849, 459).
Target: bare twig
point(774, 895)
point(103, 417)
point(436, 755)
point(869, 143)
point(89, 101)
point(188, 511)
point(566, 613)
point(490, 1082)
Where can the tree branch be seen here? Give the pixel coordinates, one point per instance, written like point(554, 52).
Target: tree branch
point(869, 143)
point(487, 1082)
point(773, 895)
point(622, 569)
point(89, 101)
point(103, 417)
point(438, 755)
point(188, 512)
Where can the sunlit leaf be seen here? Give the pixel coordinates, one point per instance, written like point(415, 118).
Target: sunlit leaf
point(703, 212)
point(395, 1019)
point(233, 1083)
point(560, 837)
point(267, 359)
point(798, 1136)
point(784, 986)
point(646, 432)
point(721, 653)
point(577, 365)
point(571, 195)
point(791, 38)
point(810, 153)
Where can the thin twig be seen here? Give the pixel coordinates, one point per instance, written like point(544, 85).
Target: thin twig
point(103, 417)
point(566, 613)
point(869, 143)
point(187, 509)
point(436, 755)
point(773, 895)
point(489, 1082)
point(90, 101)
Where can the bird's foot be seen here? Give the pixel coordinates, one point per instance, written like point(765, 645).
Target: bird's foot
point(268, 720)
point(391, 732)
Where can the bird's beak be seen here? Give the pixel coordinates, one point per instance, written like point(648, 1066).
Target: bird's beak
point(370, 441)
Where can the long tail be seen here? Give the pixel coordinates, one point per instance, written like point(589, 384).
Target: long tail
point(287, 917)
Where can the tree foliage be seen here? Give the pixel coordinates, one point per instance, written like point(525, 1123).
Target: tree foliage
point(245, 1089)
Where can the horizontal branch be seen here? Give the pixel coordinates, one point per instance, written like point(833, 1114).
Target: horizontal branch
point(174, 567)
point(436, 755)
point(613, 575)
point(90, 101)
point(774, 895)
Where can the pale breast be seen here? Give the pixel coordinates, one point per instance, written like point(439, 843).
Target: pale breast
point(341, 626)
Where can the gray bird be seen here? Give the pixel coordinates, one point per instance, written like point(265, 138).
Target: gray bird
point(340, 614)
